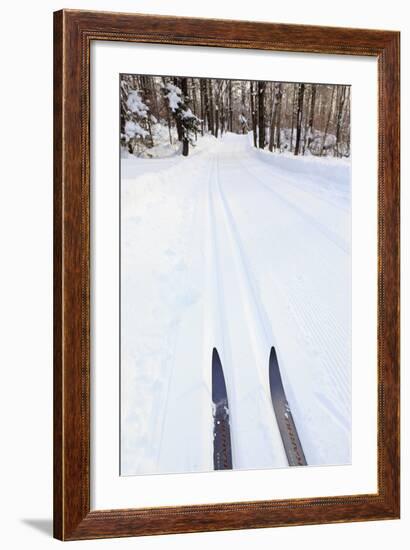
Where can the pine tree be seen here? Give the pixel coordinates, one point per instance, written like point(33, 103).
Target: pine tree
point(187, 123)
point(135, 122)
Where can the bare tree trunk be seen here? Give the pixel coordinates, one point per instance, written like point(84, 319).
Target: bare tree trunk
point(185, 141)
point(253, 113)
point(328, 121)
point(275, 117)
point(217, 101)
point(207, 106)
point(150, 132)
point(169, 129)
point(211, 107)
point(180, 130)
point(147, 94)
point(293, 116)
point(194, 101)
point(193, 94)
point(202, 93)
point(311, 116)
point(155, 95)
point(299, 117)
point(339, 120)
point(230, 105)
point(306, 115)
point(272, 118)
point(243, 99)
point(278, 119)
point(347, 118)
point(261, 113)
point(223, 110)
point(168, 114)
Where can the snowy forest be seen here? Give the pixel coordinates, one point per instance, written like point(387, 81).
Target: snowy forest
point(163, 116)
point(235, 243)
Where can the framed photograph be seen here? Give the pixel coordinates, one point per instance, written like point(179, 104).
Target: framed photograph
point(226, 275)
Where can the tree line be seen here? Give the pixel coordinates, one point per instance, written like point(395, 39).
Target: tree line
point(300, 118)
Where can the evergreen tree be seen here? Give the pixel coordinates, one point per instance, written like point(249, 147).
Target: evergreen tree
point(187, 123)
point(135, 121)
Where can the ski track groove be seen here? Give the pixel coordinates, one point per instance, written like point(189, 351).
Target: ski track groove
point(278, 173)
point(175, 340)
point(339, 384)
point(306, 315)
point(214, 270)
point(307, 217)
point(308, 312)
point(261, 315)
point(331, 319)
point(166, 400)
point(215, 313)
point(256, 318)
point(248, 297)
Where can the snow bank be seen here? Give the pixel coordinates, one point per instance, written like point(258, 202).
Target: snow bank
point(329, 168)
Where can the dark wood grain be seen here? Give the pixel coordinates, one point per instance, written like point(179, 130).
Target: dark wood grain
point(58, 279)
point(73, 33)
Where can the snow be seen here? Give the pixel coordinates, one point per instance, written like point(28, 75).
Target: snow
point(134, 129)
point(173, 96)
point(136, 105)
point(237, 249)
point(189, 114)
point(317, 140)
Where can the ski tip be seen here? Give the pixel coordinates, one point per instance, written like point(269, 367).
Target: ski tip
point(273, 355)
point(274, 374)
point(218, 380)
point(216, 360)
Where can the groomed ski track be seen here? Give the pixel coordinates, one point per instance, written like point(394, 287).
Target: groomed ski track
point(227, 249)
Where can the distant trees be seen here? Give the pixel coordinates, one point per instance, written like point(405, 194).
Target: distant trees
point(297, 118)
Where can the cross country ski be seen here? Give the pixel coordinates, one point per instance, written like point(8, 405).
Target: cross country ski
point(284, 418)
point(222, 434)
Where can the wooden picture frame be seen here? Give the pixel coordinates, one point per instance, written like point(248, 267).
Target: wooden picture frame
point(74, 32)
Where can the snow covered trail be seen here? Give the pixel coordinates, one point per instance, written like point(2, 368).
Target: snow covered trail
point(231, 250)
